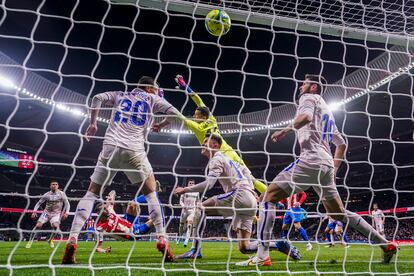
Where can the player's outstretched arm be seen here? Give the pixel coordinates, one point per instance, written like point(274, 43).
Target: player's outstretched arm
point(184, 86)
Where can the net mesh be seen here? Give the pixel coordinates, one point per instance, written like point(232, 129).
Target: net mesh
point(55, 56)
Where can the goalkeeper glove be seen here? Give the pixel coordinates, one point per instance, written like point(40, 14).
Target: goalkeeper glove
point(182, 84)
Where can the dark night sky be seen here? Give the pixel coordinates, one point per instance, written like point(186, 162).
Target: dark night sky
point(255, 63)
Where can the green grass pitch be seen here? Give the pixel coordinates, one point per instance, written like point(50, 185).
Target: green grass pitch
point(141, 258)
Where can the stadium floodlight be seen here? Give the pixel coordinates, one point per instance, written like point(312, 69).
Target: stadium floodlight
point(335, 106)
point(6, 82)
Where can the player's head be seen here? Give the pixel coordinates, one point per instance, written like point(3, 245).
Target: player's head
point(149, 85)
point(211, 145)
point(201, 113)
point(313, 84)
point(54, 186)
point(375, 206)
point(190, 182)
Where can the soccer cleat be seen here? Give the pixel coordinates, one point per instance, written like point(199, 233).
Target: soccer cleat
point(51, 244)
point(185, 243)
point(288, 249)
point(29, 244)
point(388, 252)
point(256, 261)
point(329, 245)
point(164, 248)
point(191, 254)
point(309, 247)
point(69, 257)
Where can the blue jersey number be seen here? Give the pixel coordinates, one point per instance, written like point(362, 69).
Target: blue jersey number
point(327, 126)
point(232, 164)
point(139, 114)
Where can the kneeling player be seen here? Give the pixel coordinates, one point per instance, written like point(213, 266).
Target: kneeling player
point(238, 201)
point(336, 227)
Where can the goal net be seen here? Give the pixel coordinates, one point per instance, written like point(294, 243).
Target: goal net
point(56, 55)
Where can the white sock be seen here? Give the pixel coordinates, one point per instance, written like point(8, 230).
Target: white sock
point(265, 224)
point(358, 223)
point(189, 230)
point(83, 211)
point(198, 226)
point(156, 213)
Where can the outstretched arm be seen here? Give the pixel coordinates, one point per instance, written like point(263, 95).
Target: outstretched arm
point(184, 86)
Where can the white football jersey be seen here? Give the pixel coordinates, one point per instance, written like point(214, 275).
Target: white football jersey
point(132, 114)
point(377, 216)
point(56, 202)
point(189, 200)
point(315, 137)
point(228, 172)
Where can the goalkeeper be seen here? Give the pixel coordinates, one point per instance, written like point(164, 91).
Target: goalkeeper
point(204, 122)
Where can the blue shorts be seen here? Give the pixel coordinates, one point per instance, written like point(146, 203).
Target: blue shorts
point(91, 230)
point(296, 216)
point(137, 228)
point(331, 226)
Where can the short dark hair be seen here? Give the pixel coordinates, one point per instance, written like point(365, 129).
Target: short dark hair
point(190, 179)
point(54, 181)
point(320, 81)
point(204, 110)
point(145, 81)
point(215, 137)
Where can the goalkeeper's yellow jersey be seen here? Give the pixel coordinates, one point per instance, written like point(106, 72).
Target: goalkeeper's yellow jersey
point(210, 126)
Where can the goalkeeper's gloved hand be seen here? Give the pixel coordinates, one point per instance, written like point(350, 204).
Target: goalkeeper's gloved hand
point(182, 84)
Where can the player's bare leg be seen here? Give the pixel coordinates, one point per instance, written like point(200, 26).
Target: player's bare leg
point(33, 234)
point(188, 232)
point(55, 228)
point(336, 209)
point(157, 216)
point(303, 234)
point(83, 210)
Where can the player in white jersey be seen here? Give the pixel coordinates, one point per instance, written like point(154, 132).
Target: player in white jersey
point(238, 200)
point(189, 202)
point(57, 208)
point(315, 167)
point(378, 219)
point(123, 150)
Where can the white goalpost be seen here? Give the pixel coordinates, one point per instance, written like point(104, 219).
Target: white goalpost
point(54, 57)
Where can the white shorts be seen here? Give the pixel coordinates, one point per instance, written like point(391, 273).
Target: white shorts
point(338, 227)
point(379, 227)
point(186, 215)
point(52, 218)
point(299, 177)
point(114, 159)
point(238, 199)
